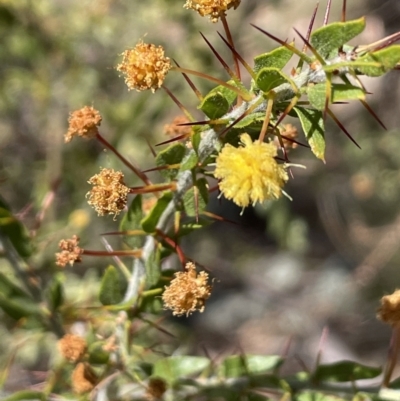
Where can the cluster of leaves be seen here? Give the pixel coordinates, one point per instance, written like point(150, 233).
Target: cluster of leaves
point(318, 81)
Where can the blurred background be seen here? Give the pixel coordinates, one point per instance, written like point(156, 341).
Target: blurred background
point(283, 272)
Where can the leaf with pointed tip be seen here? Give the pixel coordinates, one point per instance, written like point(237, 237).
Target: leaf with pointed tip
point(132, 221)
point(170, 156)
point(113, 286)
point(387, 59)
point(277, 58)
point(269, 78)
point(328, 39)
point(312, 123)
point(218, 101)
point(195, 199)
point(150, 222)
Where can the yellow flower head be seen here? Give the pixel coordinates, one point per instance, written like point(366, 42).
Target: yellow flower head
point(249, 173)
point(212, 8)
point(109, 194)
point(84, 123)
point(144, 67)
point(187, 292)
point(389, 311)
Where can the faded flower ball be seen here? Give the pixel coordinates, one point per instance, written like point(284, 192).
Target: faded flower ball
point(84, 123)
point(187, 292)
point(109, 193)
point(212, 8)
point(389, 312)
point(249, 173)
point(72, 347)
point(70, 252)
point(83, 378)
point(144, 67)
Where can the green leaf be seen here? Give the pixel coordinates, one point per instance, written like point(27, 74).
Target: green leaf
point(344, 371)
point(153, 268)
point(10, 289)
point(97, 355)
point(55, 293)
point(313, 126)
point(269, 78)
point(153, 305)
point(277, 58)
point(310, 395)
point(170, 156)
point(247, 365)
point(328, 39)
point(189, 161)
point(149, 223)
point(175, 367)
point(317, 95)
point(218, 101)
point(195, 199)
point(113, 286)
point(253, 118)
point(16, 233)
point(340, 93)
point(345, 92)
point(386, 58)
point(196, 139)
point(26, 395)
point(132, 221)
point(18, 308)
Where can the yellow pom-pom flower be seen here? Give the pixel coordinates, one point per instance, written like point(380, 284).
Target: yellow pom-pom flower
point(250, 174)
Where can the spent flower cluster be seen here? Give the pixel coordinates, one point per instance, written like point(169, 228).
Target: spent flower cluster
point(109, 194)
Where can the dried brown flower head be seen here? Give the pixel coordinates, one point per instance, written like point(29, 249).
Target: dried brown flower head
point(109, 193)
point(144, 67)
point(389, 312)
point(187, 292)
point(290, 132)
point(156, 388)
point(212, 8)
point(84, 123)
point(70, 251)
point(72, 347)
point(174, 129)
point(83, 378)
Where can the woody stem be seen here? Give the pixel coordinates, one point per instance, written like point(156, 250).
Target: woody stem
point(392, 357)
